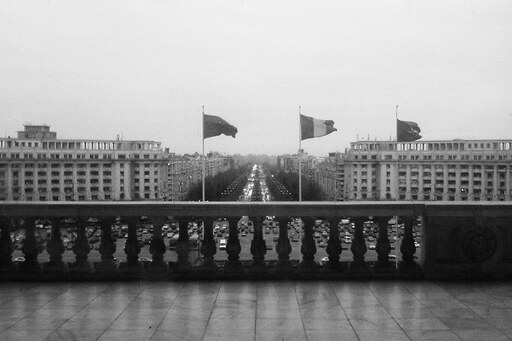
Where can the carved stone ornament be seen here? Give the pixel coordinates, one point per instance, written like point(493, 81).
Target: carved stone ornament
point(479, 244)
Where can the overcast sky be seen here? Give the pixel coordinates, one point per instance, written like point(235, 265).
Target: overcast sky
point(143, 70)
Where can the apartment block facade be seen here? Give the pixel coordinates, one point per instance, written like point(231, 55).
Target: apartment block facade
point(36, 166)
point(445, 170)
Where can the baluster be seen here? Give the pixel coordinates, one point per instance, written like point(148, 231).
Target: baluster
point(308, 248)
point(30, 248)
point(81, 250)
point(131, 248)
point(208, 247)
point(55, 248)
point(6, 247)
point(157, 247)
point(107, 247)
point(258, 248)
point(407, 248)
point(233, 248)
point(383, 247)
point(283, 248)
point(358, 248)
point(334, 249)
point(183, 247)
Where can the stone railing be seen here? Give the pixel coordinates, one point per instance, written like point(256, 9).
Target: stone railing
point(459, 240)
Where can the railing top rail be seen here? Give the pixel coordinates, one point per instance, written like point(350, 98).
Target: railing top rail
point(226, 209)
point(210, 209)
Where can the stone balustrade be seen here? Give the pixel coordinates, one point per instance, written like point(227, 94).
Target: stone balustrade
point(459, 240)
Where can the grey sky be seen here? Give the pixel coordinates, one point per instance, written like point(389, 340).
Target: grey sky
point(143, 69)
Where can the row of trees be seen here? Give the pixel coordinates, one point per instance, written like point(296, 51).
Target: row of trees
point(310, 190)
point(214, 186)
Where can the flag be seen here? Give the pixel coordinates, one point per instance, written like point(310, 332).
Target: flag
point(312, 127)
point(215, 126)
point(407, 131)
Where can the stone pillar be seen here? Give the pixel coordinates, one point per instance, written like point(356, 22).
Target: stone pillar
point(208, 247)
point(131, 248)
point(407, 248)
point(383, 247)
point(62, 192)
point(445, 182)
point(258, 248)
point(183, 247)
point(507, 184)
point(233, 248)
point(88, 194)
point(9, 181)
point(358, 248)
point(81, 250)
point(6, 248)
point(471, 188)
point(157, 247)
point(495, 183)
point(30, 248)
point(283, 266)
point(55, 248)
point(457, 183)
point(408, 182)
point(334, 249)
point(308, 248)
point(107, 248)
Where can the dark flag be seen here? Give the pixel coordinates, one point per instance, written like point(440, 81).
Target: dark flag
point(312, 127)
point(215, 126)
point(407, 131)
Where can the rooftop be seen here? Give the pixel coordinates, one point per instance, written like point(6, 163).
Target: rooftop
point(262, 310)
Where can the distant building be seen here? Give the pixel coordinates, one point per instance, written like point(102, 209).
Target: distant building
point(449, 170)
point(36, 166)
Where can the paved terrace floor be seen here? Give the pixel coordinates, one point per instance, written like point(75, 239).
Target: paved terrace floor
point(376, 310)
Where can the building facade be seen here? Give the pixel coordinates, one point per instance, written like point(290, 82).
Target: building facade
point(448, 170)
point(36, 166)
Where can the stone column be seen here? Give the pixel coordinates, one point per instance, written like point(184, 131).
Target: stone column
point(131, 248)
point(445, 182)
point(358, 248)
point(233, 248)
point(383, 247)
point(208, 247)
point(407, 248)
point(495, 183)
point(334, 249)
point(283, 266)
point(183, 247)
point(507, 184)
point(30, 248)
point(457, 183)
point(258, 248)
point(55, 248)
point(107, 248)
point(408, 182)
point(81, 250)
point(157, 247)
point(308, 248)
point(6, 248)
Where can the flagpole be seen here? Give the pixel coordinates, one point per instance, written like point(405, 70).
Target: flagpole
point(300, 157)
point(204, 166)
point(397, 186)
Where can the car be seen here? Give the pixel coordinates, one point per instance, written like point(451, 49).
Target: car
point(371, 246)
point(269, 247)
point(416, 244)
point(324, 260)
point(322, 244)
point(222, 244)
point(19, 259)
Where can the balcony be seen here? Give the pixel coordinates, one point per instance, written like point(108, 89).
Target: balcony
point(459, 240)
